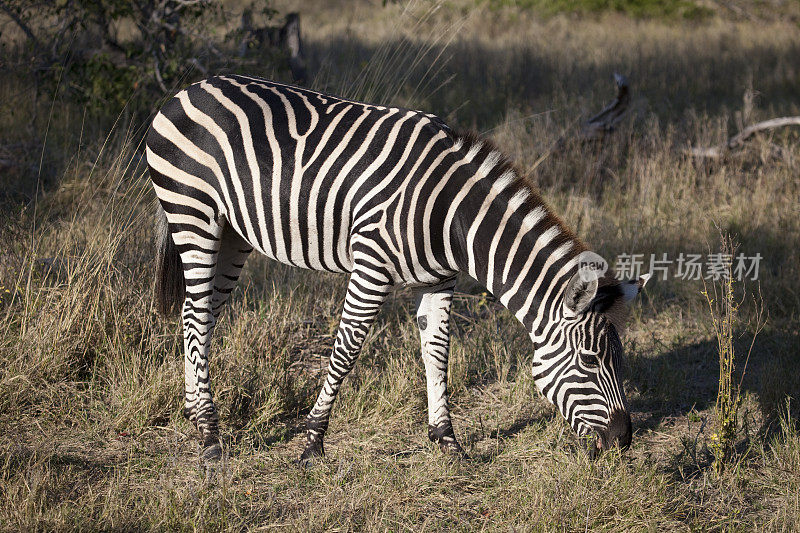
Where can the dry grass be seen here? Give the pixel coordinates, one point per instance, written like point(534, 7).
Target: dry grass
point(91, 435)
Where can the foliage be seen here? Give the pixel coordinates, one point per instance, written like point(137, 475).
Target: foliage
point(106, 53)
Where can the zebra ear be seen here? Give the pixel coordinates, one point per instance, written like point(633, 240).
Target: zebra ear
point(631, 288)
point(581, 290)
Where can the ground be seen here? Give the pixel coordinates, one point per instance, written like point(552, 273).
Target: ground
point(91, 432)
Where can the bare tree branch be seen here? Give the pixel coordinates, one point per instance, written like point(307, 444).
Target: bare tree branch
point(157, 73)
point(286, 37)
point(597, 127)
point(21, 23)
point(290, 37)
point(199, 66)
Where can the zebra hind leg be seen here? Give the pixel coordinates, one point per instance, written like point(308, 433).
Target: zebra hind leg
point(233, 253)
point(364, 298)
point(231, 257)
point(433, 320)
point(200, 252)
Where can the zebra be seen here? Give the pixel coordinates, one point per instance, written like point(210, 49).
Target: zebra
point(394, 198)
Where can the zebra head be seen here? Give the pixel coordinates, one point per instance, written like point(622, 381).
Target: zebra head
point(577, 360)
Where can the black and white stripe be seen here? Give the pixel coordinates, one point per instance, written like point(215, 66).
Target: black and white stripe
point(393, 197)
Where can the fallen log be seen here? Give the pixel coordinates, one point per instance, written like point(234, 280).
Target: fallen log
point(598, 126)
point(738, 140)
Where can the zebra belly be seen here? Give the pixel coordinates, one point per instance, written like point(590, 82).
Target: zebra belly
point(291, 231)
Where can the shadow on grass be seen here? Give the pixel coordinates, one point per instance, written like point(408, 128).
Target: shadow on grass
point(21, 458)
point(685, 378)
point(682, 380)
point(474, 84)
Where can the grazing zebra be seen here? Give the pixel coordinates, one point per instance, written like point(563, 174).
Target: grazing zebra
point(394, 198)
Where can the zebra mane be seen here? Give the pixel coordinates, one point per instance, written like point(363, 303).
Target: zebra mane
point(610, 296)
point(520, 181)
point(611, 300)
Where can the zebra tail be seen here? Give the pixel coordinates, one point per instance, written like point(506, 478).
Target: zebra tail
point(169, 282)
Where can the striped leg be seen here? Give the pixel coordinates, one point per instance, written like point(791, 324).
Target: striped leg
point(212, 264)
point(433, 320)
point(199, 268)
point(233, 253)
point(364, 298)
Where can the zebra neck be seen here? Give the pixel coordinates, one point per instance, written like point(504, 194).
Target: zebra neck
point(512, 243)
point(538, 262)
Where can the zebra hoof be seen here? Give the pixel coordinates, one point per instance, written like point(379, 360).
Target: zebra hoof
point(211, 453)
point(453, 449)
point(312, 453)
point(446, 439)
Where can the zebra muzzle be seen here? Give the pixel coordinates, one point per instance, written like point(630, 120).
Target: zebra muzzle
point(617, 433)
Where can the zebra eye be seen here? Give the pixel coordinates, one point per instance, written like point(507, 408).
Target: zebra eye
point(588, 359)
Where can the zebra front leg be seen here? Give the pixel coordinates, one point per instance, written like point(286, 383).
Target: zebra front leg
point(364, 298)
point(433, 320)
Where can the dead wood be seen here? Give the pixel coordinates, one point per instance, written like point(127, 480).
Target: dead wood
point(604, 122)
point(738, 140)
point(597, 127)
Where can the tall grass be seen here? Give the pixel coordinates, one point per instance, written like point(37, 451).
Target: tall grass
point(91, 432)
